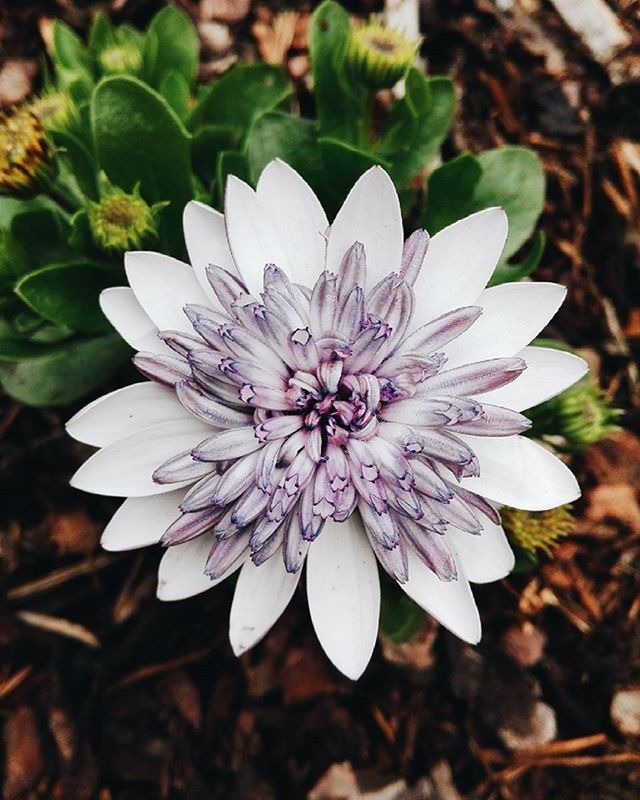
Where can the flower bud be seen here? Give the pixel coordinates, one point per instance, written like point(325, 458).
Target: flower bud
point(377, 56)
point(537, 530)
point(25, 153)
point(122, 221)
point(581, 416)
point(119, 58)
point(56, 111)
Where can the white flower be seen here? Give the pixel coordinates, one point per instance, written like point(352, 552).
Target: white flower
point(329, 395)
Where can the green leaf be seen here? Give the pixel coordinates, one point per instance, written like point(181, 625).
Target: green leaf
point(71, 61)
point(208, 142)
point(450, 191)
point(343, 165)
point(342, 109)
point(32, 232)
point(81, 161)
point(60, 374)
point(509, 273)
point(241, 95)
point(417, 125)
point(400, 617)
point(513, 178)
point(101, 35)
point(175, 90)
point(68, 48)
point(229, 162)
point(294, 140)
point(510, 177)
point(67, 294)
point(178, 46)
point(139, 138)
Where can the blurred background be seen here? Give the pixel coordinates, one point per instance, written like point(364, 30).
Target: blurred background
point(106, 693)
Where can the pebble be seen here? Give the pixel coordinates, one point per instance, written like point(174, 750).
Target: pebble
point(224, 10)
point(625, 711)
point(215, 37)
point(524, 644)
point(542, 730)
point(16, 80)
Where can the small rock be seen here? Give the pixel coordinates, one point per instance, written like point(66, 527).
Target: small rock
point(24, 762)
point(216, 37)
point(224, 10)
point(16, 80)
point(212, 69)
point(339, 781)
point(73, 532)
point(298, 66)
point(417, 653)
point(625, 711)
point(524, 644)
point(542, 730)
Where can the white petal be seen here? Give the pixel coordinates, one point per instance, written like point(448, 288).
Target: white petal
point(181, 571)
point(125, 411)
point(141, 521)
point(459, 262)
point(513, 314)
point(370, 215)
point(252, 237)
point(206, 240)
point(519, 472)
point(486, 557)
point(124, 468)
point(262, 594)
point(124, 312)
point(343, 590)
point(298, 218)
point(548, 373)
point(450, 602)
point(163, 287)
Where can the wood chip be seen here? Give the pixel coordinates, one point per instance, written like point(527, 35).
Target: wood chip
point(72, 630)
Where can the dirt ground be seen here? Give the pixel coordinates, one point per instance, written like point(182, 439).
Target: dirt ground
point(107, 693)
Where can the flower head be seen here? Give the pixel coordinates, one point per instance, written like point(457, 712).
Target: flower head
point(121, 221)
point(120, 57)
point(56, 111)
point(540, 530)
point(326, 397)
point(24, 151)
point(379, 56)
point(581, 416)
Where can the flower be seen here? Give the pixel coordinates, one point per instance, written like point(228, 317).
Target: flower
point(379, 56)
point(120, 220)
point(540, 530)
point(327, 397)
point(24, 151)
point(56, 111)
point(581, 416)
point(121, 57)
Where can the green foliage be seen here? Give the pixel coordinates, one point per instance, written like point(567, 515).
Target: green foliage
point(129, 108)
point(510, 177)
point(400, 617)
point(140, 140)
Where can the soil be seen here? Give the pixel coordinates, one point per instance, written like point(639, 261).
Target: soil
point(107, 693)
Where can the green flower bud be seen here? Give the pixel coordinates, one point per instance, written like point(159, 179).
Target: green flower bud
point(56, 111)
point(122, 221)
point(581, 416)
point(120, 57)
point(537, 530)
point(25, 153)
point(377, 56)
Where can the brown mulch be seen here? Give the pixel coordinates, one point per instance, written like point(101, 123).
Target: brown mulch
point(107, 693)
